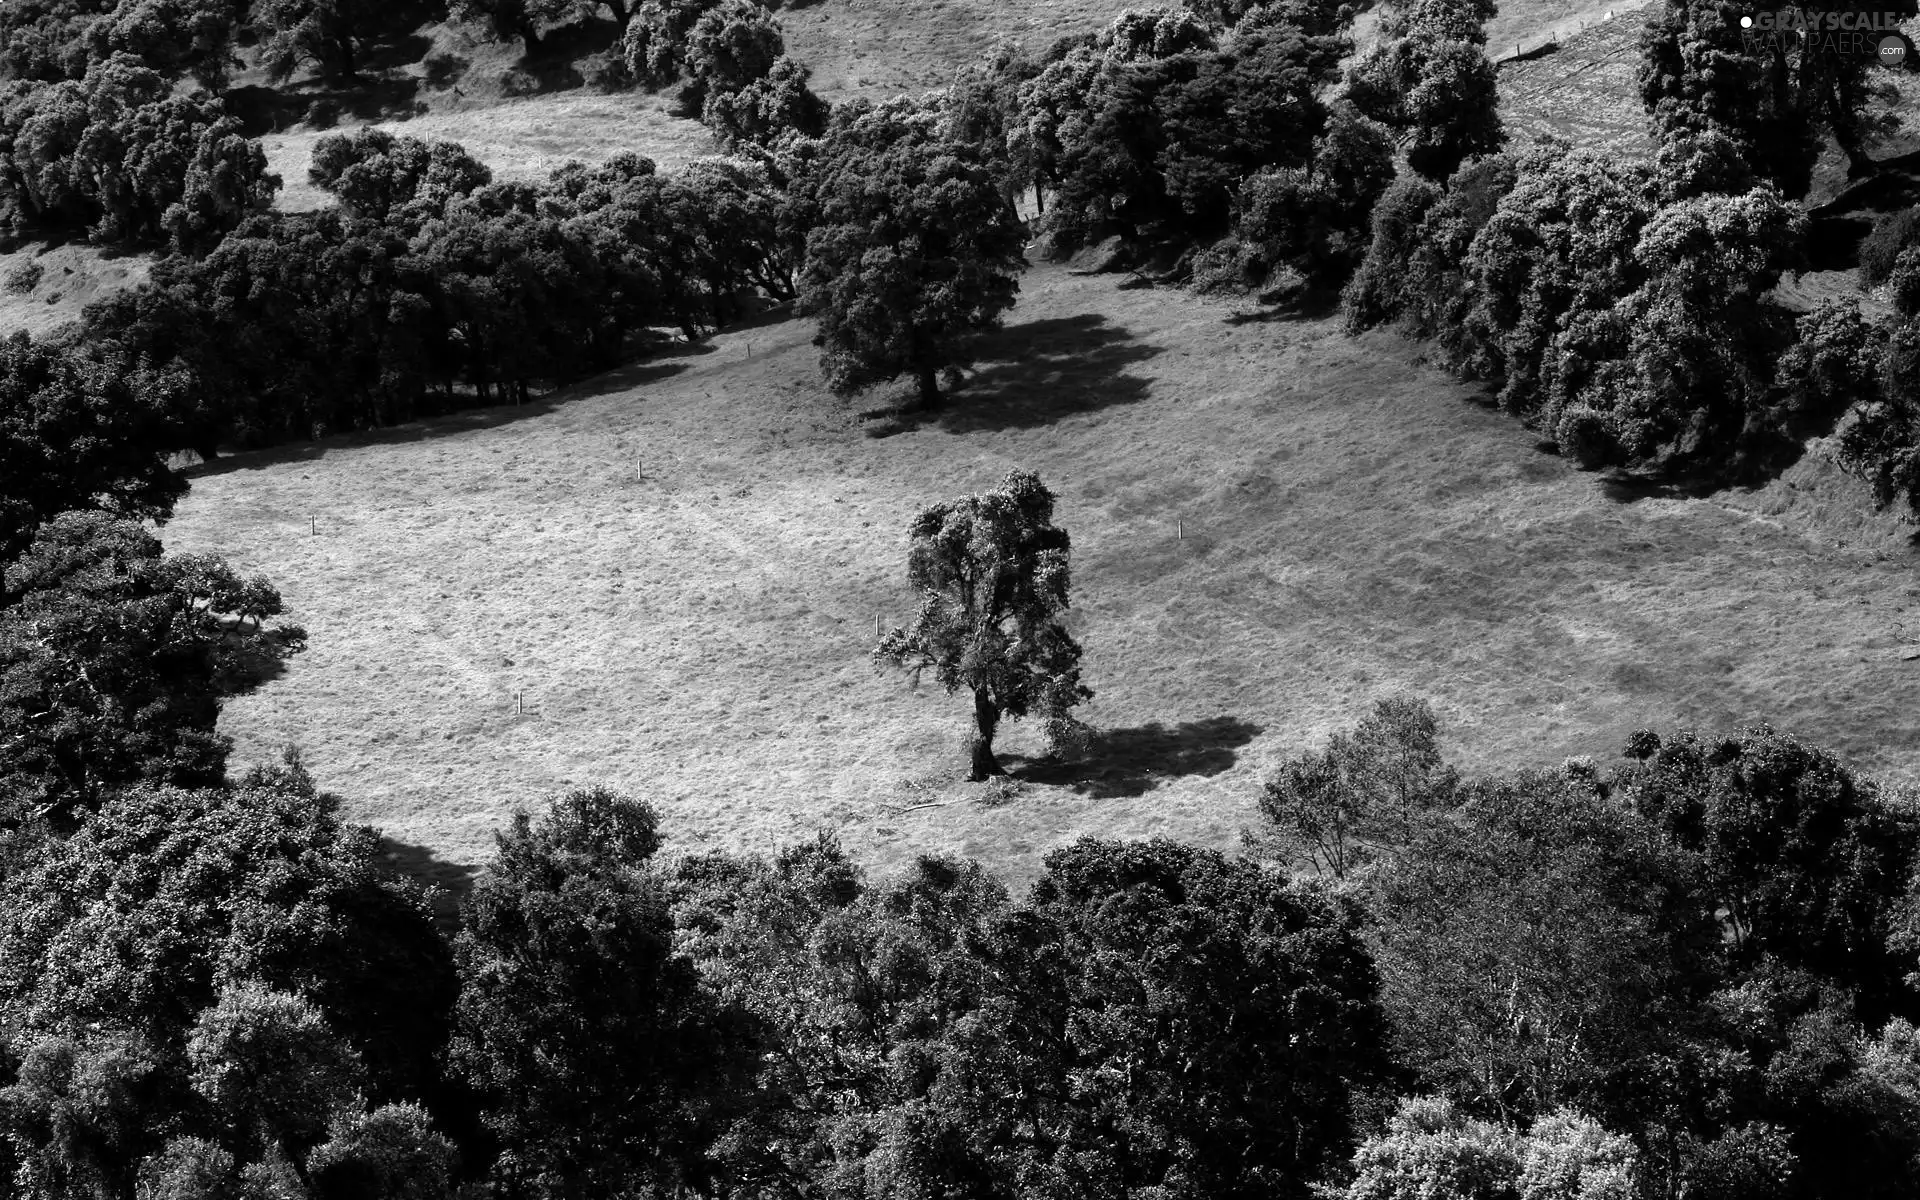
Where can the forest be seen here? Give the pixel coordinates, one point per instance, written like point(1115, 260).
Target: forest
point(1685, 970)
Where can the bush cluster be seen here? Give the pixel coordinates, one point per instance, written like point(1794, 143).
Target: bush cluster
point(1620, 308)
point(116, 157)
point(430, 287)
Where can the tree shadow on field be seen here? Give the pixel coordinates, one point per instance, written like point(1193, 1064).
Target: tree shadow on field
point(1133, 761)
point(1035, 373)
point(1311, 304)
point(467, 420)
point(449, 882)
point(1627, 487)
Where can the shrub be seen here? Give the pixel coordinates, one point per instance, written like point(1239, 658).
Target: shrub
point(23, 278)
point(444, 68)
point(1892, 233)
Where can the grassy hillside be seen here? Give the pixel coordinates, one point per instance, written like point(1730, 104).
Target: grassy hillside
point(71, 277)
point(522, 139)
point(680, 566)
point(1585, 91)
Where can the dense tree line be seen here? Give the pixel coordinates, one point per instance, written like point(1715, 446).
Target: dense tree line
point(1775, 94)
point(117, 157)
point(429, 286)
point(1694, 972)
point(1624, 309)
point(1621, 308)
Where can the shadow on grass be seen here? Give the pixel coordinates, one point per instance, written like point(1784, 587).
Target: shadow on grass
point(448, 882)
point(263, 110)
point(249, 660)
point(1036, 373)
point(1311, 305)
point(1833, 242)
point(427, 428)
point(1894, 183)
point(1134, 761)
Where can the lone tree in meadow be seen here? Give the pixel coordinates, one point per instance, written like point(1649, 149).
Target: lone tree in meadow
point(912, 250)
point(993, 571)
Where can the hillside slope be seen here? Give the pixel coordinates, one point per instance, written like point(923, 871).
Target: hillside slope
point(680, 566)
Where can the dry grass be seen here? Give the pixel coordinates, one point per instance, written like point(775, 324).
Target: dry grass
point(1530, 23)
point(72, 276)
point(884, 47)
point(681, 565)
point(521, 139)
point(1586, 91)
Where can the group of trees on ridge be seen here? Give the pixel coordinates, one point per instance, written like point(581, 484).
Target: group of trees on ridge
point(1693, 974)
point(1624, 309)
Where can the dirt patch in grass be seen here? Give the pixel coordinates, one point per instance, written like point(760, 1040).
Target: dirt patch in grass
point(679, 568)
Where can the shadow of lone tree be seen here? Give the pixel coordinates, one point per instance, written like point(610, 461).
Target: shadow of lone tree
point(1130, 762)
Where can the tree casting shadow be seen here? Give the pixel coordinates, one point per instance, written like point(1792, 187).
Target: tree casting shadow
point(1134, 761)
point(1035, 373)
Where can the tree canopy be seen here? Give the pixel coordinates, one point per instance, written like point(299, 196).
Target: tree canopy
point(913, 248)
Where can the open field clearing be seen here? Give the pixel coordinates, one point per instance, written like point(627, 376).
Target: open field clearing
point(680, 566)
point(518, 139)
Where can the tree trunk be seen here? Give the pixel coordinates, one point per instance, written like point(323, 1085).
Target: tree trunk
point(1846, 128)
point(620, 13)
point(1039, 200)
point(986, 717)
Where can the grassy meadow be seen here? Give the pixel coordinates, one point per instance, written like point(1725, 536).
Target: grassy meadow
point(679, 567)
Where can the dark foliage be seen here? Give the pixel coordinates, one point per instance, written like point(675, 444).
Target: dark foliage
point(118, 158)
point(113, 662)
point(911, 247)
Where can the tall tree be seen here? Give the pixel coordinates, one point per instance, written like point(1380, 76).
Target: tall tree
point(994, 573)
point(1775, 88)
point(589, 1038)
point(114, 660)
point(1370, 788)
point(1809, 861)
point(914, 248)
point(1121, 1057)
point(1429, 79)
point(376, 174)
point(87, 427)
point(1529, 943)
point(137, 919)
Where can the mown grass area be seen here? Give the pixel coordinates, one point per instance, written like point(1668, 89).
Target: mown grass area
point(680, 566)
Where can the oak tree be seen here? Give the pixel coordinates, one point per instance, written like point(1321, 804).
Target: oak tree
point(993, 573)
point(913, 249)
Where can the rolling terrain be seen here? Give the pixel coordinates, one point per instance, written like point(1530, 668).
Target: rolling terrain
point(679, 567)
